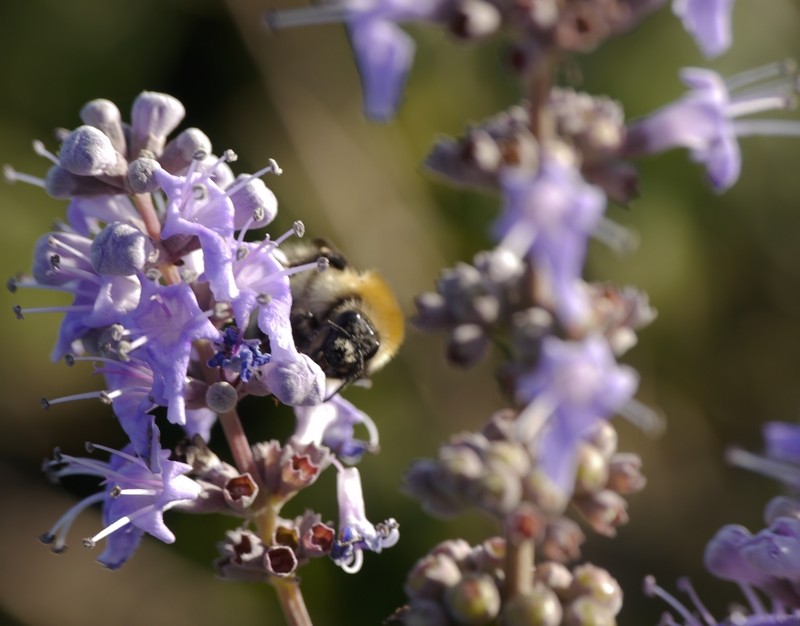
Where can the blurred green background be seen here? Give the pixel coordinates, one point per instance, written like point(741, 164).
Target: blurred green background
point(724, 273)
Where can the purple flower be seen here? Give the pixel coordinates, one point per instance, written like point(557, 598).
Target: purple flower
point(197, 206)
point(163, 326)
point(134, 500)
point(331, 423)
point(62, 262)
point(356, 532)
point(782, 460)
point(696, 614)
point(263, 282)
point(548, 216)
point(574, 386)
point(706, 120)
point(708, 21)
point(383, 52)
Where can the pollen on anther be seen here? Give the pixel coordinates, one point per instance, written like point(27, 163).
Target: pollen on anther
point(12, 284)
point(18, 312)
point(323, 263)
point(44, 402)
point(299, 228)
point(69, 360)
point(88, 543)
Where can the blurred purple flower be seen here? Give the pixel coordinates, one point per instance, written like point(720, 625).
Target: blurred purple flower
point(708, 21)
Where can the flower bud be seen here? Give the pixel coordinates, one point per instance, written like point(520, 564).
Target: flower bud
point(253, 200)
point(625, 474)
point(587, 612)
point(595, 583)
point(604, 510)
point(153, 117)
point(474, 601)
point(120, 250)
point(140, 177)
point(104, 115)
point(425, 613)
point(61, 183)
point(473, 19)
point(87, 151)
point(592, 474)
point(180, 152)
point(553, 575)
point(466, 345)
point(431, 576)
point(539, 607)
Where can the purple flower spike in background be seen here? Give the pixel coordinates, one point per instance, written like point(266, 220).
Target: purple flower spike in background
point(383, 52)
point(708, 21)
point(707, 120)
point(549, 216)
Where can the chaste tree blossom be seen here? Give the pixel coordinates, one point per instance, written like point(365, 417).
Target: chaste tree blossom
point(767, 561)
point(183, 317)
point(708, 21)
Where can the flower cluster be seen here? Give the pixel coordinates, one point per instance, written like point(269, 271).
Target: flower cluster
point(456, 583)
point(183, 313)
point(556, 161)
point(768, 560)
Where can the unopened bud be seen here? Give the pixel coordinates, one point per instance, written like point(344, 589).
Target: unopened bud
point(474, 601)
point(140, 177)
point(87, 151)
point(120, 250)
point(104, 115)
point(539, 607)
point(253, 200)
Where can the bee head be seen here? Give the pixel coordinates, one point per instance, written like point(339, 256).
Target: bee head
point(348, 342)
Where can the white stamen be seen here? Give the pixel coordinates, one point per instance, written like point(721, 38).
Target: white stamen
point(306, 16)
point(81, 308)
point(12, 176)
point(621, 240)
point(787, 67)
point(780, 128)
point(644, 418)
point(89, 395)
point(60, 529)
point(39, 148)
point(651, 588)
point(137, 492)
point(686, 586)
point(749, 106)
point(771, 468)
point(533, 417)
point(752, 599)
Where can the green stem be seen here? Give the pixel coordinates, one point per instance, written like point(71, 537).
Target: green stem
point(292, 602)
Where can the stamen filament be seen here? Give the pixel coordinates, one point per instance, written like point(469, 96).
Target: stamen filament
point(60, 529)
point(89, 395)
point(643, 417)
point(782, 128)
point(739, 108)
point(12, 176)
point(621, 240)
point(533, 417)
point(40, 149)
point(786, 67)
point(305, 16)
point(782, 472)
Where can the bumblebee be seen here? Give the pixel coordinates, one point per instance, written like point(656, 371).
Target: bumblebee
point(347, 321)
